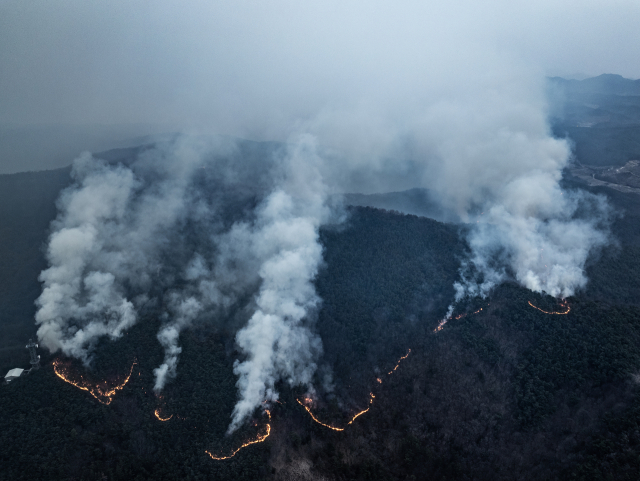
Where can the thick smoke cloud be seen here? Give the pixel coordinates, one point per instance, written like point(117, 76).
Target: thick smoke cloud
point(116, 245)
point(192, 226)
point(81, 283)
point(277, 341)
point(220, 222)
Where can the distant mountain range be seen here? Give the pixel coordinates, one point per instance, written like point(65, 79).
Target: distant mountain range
point(600, 115)
point(610, 84)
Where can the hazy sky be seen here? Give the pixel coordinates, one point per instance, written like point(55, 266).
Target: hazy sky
point(257, 69)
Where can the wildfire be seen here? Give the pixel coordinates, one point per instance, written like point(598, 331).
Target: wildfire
point(315, 418)
point(308, 401)
point(563, 303)
point(459, 316)
point(103, 394)
point(157, 413)
point(398, 364)
point(259, 439)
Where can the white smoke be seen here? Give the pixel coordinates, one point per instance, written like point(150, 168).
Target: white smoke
point(82, 285)
point(200, 296)
point(110, 241)
point(126, 234)
point(484, 151)
point(277, 341)
point(539, 239)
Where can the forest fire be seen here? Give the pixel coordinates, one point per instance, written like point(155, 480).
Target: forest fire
point(459, 316)
point(159, 417)
point(398, 364)
point(103, 394)
point(308, 401)
point(563, 303)
point(259, 439)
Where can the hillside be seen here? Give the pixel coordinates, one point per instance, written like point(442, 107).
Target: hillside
point(505, 392)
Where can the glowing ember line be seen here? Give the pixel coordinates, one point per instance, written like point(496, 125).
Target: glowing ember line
point(259, 439)
point(157, 413)
point(459, 316)
point(399, 361)
point(364, 411)
point(97, 391)
point(316, 419)
point(563, 303)
point(357, 415)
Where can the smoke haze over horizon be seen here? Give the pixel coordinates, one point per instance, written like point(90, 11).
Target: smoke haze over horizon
point(250, 69)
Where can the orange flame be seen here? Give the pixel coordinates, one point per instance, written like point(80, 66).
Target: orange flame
point(308, 401)
point(357, 415)
point(259, 439)
point(399, 360)
point(459, 316)
point(563, 303)
point(315, 418)
point(157, 413)
point(102, 394)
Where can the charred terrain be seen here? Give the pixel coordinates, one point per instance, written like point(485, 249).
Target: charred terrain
point(515, 386)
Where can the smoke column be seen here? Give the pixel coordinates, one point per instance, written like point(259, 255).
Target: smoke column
point(116, 245)
point(484, 151)
point(130, 234)
point(277, 341)
point(84, 282)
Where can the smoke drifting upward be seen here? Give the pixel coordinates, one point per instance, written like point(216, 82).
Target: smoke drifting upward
point(277, 341)
point(192, 226)
point(81, 283)
point(118, 243)
point(503, 179)
point(542, 241)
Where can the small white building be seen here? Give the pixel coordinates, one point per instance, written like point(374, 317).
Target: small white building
point(13, 374)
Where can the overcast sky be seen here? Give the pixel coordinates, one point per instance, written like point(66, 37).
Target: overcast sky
point(256, 69)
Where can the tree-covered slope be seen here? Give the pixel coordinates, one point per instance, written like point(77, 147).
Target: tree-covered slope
point(506, 393)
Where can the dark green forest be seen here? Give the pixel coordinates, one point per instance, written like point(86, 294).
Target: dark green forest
point(508, 393)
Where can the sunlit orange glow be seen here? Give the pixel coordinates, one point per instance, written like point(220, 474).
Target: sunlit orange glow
point(563, 303)
point(309, 401)
point(157, 413)
point(459, 316)
point(101, 392)
point(259, 439)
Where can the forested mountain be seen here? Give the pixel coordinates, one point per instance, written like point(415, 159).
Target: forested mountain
point(505, 392)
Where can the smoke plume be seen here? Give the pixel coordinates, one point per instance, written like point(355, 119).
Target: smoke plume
point(118, 243)
point(277, 341)
point(192, 226)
